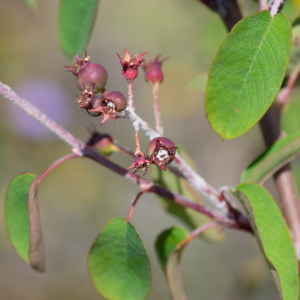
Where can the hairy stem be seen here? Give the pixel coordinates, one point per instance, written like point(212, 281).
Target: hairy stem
point(159, 127)
point(80, 149)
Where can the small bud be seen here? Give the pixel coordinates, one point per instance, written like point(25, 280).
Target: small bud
point(103, 143)
point(161, 151)
point(140, 162)
point(153, 70)
point(130, 65)
point(109, 105)
point(88, 74)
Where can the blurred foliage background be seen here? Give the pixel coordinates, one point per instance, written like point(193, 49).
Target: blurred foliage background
point(79, 197)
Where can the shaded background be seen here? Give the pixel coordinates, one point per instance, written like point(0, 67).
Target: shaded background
point(79, 196)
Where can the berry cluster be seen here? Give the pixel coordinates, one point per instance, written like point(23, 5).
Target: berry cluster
point(91, 79)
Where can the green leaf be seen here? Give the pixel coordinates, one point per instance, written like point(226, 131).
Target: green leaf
point(190, 217)
point(168, 249)
point(167, 241)
point(31, 4)
point(75, 24)
point(266, 164)
point(118, 262)
point(16, 214)
point(247, 73)
point(198, 82)
point(272, 236)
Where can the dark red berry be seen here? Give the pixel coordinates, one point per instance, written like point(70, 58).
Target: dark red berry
point(161, 151)
point(109, 105)
point(130, 65)
point(153, 70)
point(140, 162)
point(88, 74)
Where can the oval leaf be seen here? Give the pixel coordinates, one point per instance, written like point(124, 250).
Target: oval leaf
point(266, 164)
point(272, 236)
point(118, 262)
point(16, 214)
point(75, 24)
point(247, 73)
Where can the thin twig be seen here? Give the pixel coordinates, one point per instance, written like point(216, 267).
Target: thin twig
point(133, 204)
point(80, 149)
point(194, 179)
point(284, 94)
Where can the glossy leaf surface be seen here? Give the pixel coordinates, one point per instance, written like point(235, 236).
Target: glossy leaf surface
point(75, 25)
point(247, 73)
point(118, 262)
point(272, 236)
point(168, 250)
point(266, 164)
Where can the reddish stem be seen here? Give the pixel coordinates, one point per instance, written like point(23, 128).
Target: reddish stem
point(284, 95)
point(159, 127)
point(130, 95)
point(55, 164)
point(132, 207)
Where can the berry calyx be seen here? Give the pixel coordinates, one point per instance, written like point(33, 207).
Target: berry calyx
point(153, 70)
point(109, 105)
point(161, 151)
point(140, 162)
point(88, 95)
point(88, 74)
point(130, 65)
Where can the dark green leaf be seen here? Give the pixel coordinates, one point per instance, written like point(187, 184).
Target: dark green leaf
point(31, 4)
point(75, 24)
point(118, 263)
point(280, 153)
point(16, 214)
point(272, 236)
point(192, 218)
point(247, 73)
